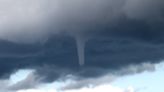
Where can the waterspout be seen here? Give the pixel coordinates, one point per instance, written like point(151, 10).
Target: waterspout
point(80, 42)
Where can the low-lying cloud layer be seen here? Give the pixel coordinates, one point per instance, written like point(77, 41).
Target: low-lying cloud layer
point(28, 79)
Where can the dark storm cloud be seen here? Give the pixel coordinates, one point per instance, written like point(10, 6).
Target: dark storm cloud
point(31, 21)
point(122, 32)
point(58, 56)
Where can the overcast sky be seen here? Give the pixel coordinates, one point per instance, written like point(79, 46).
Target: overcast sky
point(81, 45)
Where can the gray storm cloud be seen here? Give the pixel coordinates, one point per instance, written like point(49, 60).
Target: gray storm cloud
point(144, 9)
point(32, 19)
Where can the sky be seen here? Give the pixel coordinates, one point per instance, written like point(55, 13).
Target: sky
point(81, 45)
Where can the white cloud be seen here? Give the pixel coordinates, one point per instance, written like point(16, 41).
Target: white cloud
point(19, 76)
point(37, 90)
point(102, 88)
